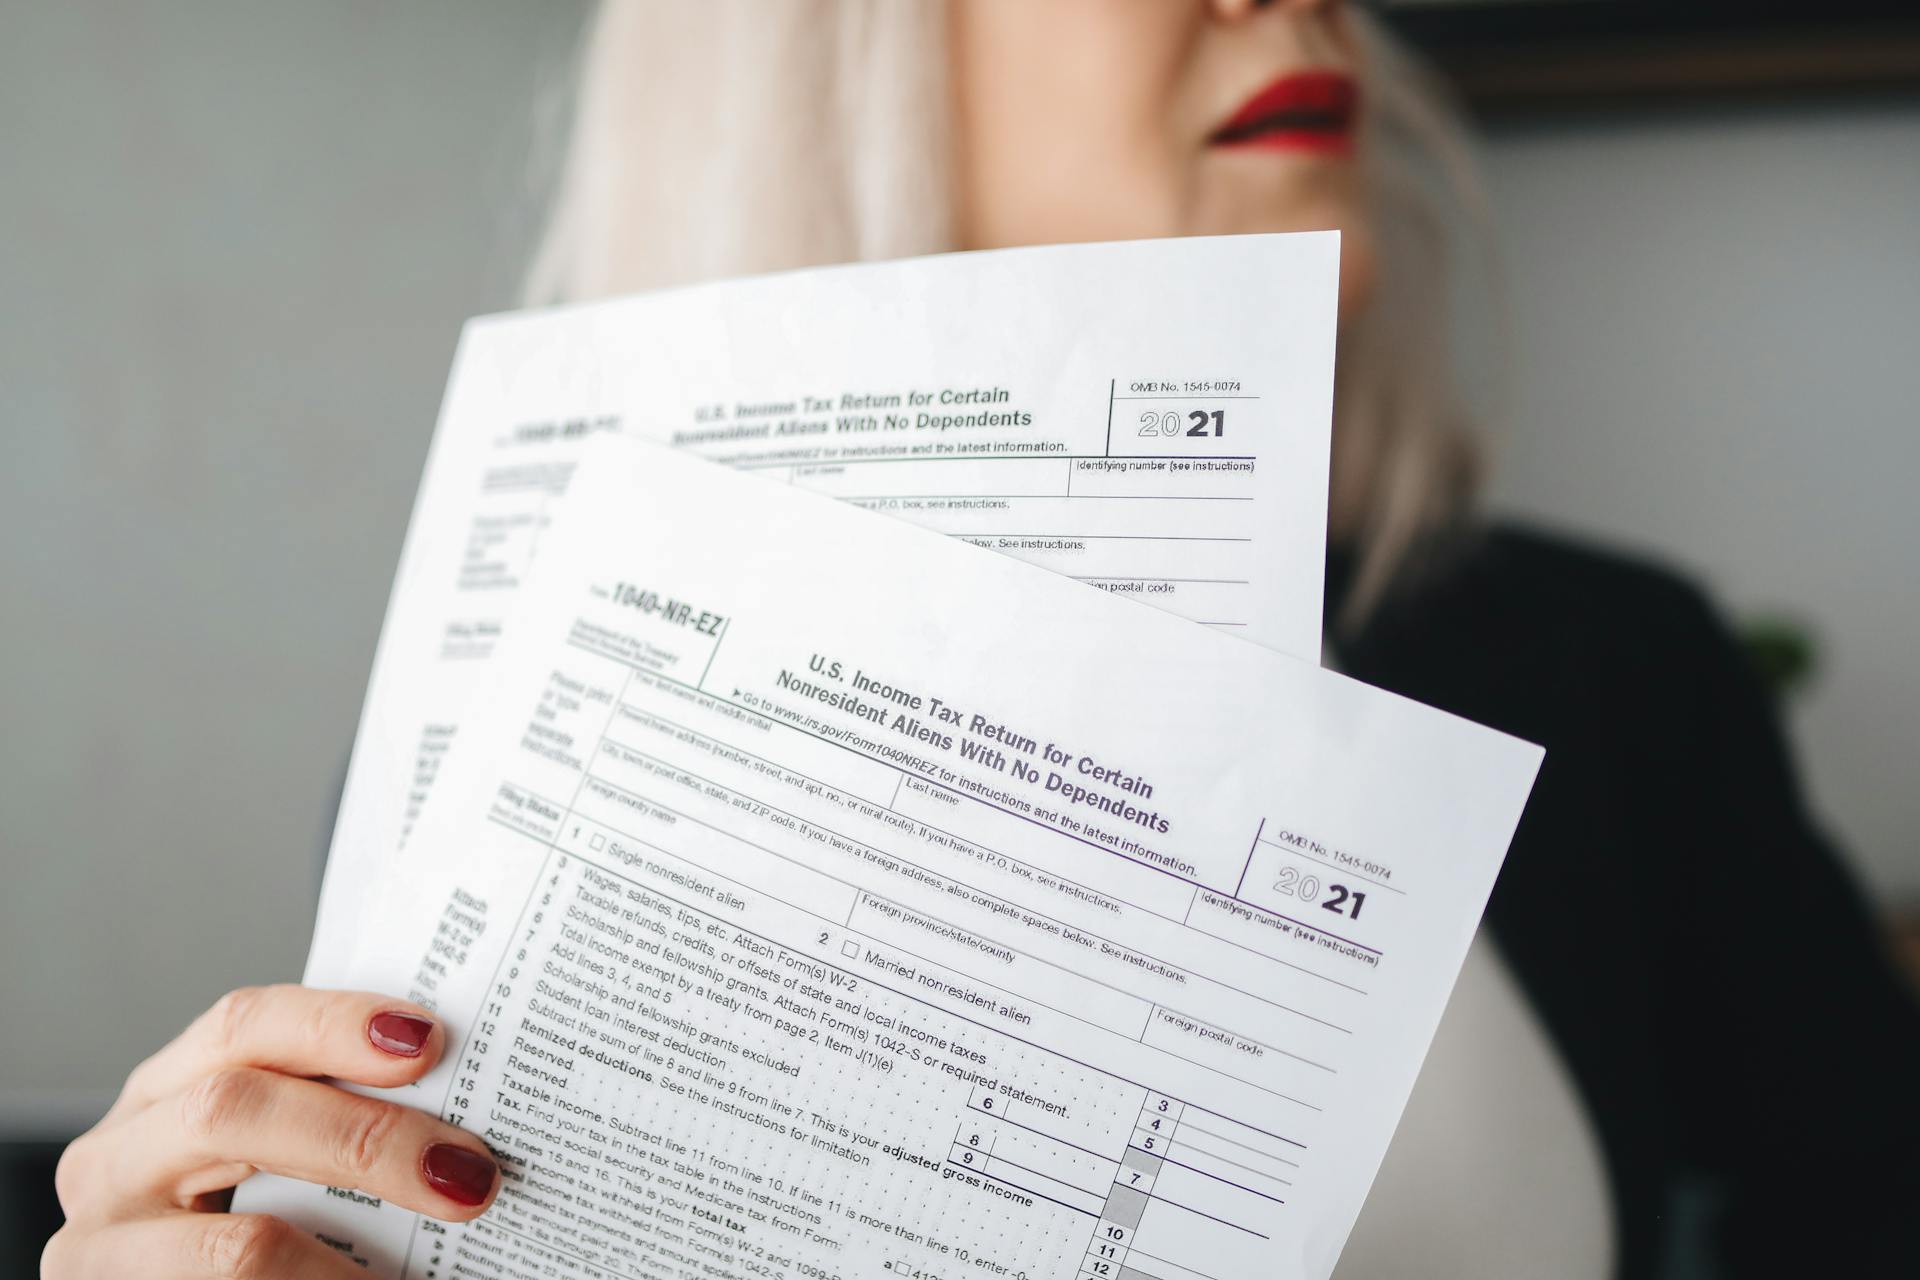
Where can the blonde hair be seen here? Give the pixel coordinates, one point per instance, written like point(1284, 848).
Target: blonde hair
point(731, 137)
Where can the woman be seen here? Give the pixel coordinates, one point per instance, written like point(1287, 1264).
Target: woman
point(1641, 1003)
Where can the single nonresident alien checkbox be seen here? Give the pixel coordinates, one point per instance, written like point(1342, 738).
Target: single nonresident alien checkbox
point(850, 949)
point(598, 842)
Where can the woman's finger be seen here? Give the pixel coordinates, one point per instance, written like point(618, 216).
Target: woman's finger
point(194, 1246)
point(242, 1118)
point(350, 1035)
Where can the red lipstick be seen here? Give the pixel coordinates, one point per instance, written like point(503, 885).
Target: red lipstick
point(1306, 111)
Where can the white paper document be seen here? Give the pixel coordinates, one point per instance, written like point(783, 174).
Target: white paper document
point(1150, 417)
point(814, 896)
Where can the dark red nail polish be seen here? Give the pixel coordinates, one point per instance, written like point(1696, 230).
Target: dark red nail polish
point(462, 1176)
point(401, 1034)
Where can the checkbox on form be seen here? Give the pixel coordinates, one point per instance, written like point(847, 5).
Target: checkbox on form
point(850, 949)
point(598, 842)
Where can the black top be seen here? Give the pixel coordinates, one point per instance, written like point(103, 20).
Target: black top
point(1691, 943)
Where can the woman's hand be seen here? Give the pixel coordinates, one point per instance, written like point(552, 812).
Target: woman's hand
point(144, 1191)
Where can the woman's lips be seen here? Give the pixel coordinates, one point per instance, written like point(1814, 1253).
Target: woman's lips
point(1308, 110)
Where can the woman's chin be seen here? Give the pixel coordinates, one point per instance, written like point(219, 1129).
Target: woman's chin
point(1238, 216)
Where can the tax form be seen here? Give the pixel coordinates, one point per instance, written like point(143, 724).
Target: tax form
point(1150, 417)
point(814, 896)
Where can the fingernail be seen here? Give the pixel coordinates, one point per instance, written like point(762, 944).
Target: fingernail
point(401, 1034)
point(463, 1176)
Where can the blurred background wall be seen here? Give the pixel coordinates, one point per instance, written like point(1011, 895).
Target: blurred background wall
point(1714, 329)
point(236, 244)
point(237, 241)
